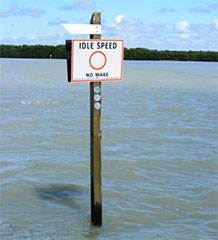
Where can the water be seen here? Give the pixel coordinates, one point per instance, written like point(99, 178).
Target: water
point(159, 152)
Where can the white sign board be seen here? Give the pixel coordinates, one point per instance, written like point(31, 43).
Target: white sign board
point(96, 60)
point(83, 28)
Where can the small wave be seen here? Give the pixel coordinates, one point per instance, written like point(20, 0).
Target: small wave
point(38, 102)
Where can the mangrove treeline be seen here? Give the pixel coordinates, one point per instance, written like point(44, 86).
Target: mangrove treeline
point(59, 52)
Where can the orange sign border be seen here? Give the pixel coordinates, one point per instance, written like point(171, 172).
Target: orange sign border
point(97, 79)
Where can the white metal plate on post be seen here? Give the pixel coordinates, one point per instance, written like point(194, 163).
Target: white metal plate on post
point(96, 60)
point(83, 28)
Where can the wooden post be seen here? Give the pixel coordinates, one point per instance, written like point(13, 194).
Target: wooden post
point(95, 140)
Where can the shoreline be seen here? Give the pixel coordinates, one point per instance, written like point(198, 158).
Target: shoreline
point(139, 54)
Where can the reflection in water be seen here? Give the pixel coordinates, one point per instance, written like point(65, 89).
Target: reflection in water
point(67, 194)
point(60, 191)
point(70, 195)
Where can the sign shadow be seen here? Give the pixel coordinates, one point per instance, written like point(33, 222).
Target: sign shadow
point(67, 194)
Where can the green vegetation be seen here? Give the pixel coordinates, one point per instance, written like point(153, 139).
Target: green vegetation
point(146, 54)
point(46, 51)
point(32, 51)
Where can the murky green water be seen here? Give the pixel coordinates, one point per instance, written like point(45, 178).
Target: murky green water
point(159, 152)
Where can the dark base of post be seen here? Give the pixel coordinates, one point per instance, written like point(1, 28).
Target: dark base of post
point(96, 214)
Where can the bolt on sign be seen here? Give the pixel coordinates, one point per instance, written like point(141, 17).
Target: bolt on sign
point(97, 60)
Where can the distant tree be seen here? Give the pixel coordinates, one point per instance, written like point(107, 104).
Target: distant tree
point(47, 51)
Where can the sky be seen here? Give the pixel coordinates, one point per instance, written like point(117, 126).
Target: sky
point(153, 24)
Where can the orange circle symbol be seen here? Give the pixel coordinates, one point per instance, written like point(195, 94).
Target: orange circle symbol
point(94, 60)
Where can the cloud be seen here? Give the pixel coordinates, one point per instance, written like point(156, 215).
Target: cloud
point(214, 6)
point(46, 38)
point(185, 35)
point(122, 22)
point(119, 18)
point(166, 10)
point(155, 25)
point(14, 10)
point(124, 27)
point(66, 7)
point(78, 4)
point(199, 9)
point(202, 9)
point(183, 26)
point(215, 23)
point(84, 4)
point(56, 21)
point(182, 35)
